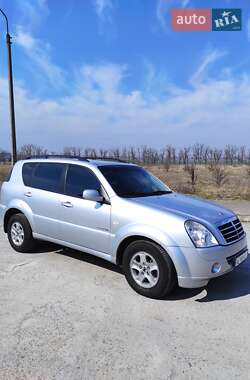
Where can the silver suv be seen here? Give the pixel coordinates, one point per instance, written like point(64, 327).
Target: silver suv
point(122, 213)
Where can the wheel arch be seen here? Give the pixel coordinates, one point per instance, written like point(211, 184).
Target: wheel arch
point(17, 208)
point(8, 215)
point(128, 240)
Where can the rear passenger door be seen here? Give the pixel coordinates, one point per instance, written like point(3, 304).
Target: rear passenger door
point(85, 223)
point(43, 189)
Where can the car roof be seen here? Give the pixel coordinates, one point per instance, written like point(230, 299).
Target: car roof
point(79, 161)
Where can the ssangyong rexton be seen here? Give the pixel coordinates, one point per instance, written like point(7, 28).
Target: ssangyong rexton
point(121, 213)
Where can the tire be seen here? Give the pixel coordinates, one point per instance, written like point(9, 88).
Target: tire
point(20, 234)
point(152, 283)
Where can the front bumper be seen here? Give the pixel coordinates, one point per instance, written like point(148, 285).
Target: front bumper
point(194, 265)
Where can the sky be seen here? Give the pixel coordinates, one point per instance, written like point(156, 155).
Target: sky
point(112, 73)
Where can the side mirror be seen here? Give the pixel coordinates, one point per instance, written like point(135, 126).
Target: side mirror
point(92, 195)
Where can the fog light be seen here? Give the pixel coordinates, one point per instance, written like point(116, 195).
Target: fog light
point(216, 268)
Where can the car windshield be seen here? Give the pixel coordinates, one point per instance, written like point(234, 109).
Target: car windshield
point(133, 181)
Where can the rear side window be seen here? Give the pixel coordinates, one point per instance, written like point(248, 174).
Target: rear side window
point(48, 177)
point(28, 170)
point(80, 179)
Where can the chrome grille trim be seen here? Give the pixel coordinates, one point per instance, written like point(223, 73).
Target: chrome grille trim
point(232, 231)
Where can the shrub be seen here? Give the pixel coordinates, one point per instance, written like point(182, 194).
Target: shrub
point(192, 171)
point(219, 175)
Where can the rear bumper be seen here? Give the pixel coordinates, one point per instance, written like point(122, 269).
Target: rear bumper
point(2, 212)
point(194, 266)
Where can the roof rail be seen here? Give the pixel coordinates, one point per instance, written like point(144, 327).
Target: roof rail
point(105, 159)
point(80, 158)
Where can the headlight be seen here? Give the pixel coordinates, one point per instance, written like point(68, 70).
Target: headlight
point(200, 235)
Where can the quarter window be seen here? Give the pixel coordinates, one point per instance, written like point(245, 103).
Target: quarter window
point(80, 179)
point(28, 170)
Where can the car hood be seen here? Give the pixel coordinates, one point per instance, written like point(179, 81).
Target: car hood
point(187, 206)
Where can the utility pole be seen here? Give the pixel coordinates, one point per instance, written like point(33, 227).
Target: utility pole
point(11, 93)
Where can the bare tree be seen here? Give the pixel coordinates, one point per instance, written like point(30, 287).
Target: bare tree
point(72, 151)
point(230, 154)
point(184, 156)
point(168, 157)
point(215, 156)
point(166, 164)
point(198, 151)
point(30, 150)
point(193, 175)
point(241, 155)
point(219, 175)
point(197, 154)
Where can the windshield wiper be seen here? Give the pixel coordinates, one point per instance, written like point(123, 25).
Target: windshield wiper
point(160, 192)
point(135, 194)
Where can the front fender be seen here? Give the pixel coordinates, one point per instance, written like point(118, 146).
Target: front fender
point(158, 236)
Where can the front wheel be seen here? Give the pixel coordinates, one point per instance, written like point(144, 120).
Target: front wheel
point(20, 234)
point(148, 269)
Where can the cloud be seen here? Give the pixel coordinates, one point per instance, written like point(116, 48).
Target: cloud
point(103, 77)
point(31, 13)
point(103, 9)
point(100, 113)
point(210, 57)
point(38, 53)
point(156, 82)
point(162, 8)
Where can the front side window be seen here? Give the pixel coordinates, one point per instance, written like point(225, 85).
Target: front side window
point(79, 179)
point(48, 177)
point(130, 181)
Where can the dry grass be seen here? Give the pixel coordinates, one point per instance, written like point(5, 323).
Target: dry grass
point(236, 186)
point(4, 169)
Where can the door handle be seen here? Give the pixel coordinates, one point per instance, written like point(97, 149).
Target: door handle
point(67, 204)
point(28, 194)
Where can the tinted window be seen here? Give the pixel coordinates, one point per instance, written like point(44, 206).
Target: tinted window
point(28, 170)
point(80, 179)
point(48, 177)
point(133, 181)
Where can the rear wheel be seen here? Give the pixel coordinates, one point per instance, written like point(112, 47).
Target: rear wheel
point(148, 269)
point(20, 233)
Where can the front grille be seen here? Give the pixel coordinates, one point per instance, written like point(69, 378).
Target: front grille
point(232, 231)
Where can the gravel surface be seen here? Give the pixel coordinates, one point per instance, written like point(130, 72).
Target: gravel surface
point(67, 315)
point(240, 207)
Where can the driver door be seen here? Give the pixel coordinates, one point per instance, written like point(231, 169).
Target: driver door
point(84, 223)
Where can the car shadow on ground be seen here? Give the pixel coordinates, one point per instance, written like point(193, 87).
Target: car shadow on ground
point(87, 258)
point(233, 285)
point(44, 247)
